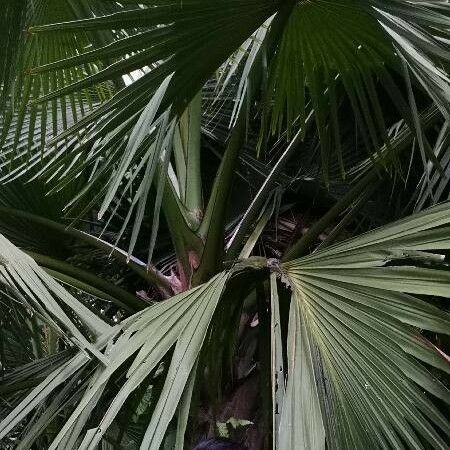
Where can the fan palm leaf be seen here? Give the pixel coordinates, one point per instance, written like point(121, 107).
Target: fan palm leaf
point(356, 306)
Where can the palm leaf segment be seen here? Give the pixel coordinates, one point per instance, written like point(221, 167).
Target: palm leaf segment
point(355, 377)
point(355, 312)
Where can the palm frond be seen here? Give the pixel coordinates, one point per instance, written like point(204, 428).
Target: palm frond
point(145, 338)
point(433, 186)
point(346, 56)
point(11, 26)
point(358, 306)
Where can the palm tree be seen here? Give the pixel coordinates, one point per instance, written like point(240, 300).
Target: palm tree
point(211, 201)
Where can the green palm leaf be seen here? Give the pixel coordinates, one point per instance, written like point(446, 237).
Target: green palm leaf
point(146, 338)
point(31, 50)
point(11, 26)
point(358, 306)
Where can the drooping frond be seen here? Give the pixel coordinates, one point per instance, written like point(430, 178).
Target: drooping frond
point(348, 55)
point(18, 113)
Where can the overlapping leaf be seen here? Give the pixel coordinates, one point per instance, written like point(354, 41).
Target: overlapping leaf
point(348, 52)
